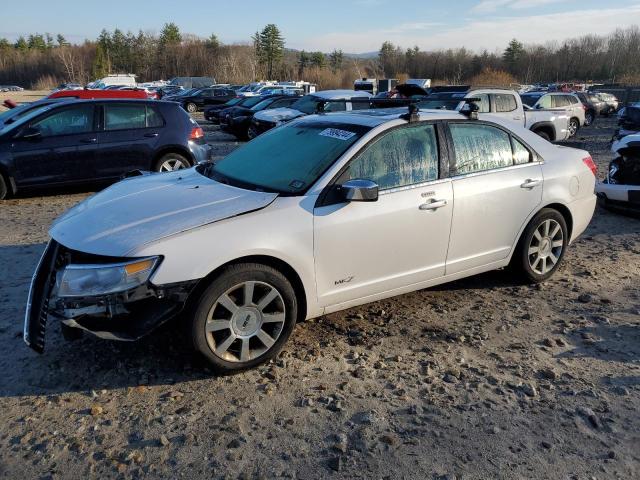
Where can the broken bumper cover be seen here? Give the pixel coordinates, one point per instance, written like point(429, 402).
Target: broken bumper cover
point(126, 315)
point(625, 198)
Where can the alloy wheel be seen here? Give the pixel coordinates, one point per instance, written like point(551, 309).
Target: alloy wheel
point(245, 321)
point(573, 127)
point(173, 164)
point(545, 247)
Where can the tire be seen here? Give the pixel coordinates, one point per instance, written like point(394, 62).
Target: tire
point(589, 118)
point(4, 189)
point(170, 162)
point(252, 132)
point(191, 107)
point(574, 126)
point(533, 258)
point(543, 134)
point(230, 330)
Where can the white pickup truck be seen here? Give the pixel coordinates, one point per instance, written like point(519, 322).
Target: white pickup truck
point(552, 125)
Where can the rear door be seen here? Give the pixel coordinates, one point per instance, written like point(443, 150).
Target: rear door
point(505, 105)
point(497, 184)
point(129, 136)
point(67, 143)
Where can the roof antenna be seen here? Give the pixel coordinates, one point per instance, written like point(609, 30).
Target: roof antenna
point(412, 115)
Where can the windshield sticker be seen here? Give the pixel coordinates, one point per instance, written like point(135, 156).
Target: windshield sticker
point(336, 133)
point(297, 184)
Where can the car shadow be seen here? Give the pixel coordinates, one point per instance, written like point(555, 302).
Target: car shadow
point(605, 341)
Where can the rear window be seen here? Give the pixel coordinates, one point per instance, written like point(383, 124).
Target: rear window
point(529, 100)
point(129, 116)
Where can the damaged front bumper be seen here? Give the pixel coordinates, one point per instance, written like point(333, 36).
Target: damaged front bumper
point(126, 315)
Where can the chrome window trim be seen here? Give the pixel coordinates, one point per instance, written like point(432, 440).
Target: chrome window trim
point(414, 186)
point(502, 169)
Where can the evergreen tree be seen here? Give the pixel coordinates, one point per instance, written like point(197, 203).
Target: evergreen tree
point(62, 42)
point(513, 54)
point(336, 58)
point(303, 62)
point(212, 42)
point(36, 42)
point(4, 44)
point(270, 49)
point(21, 44)
point(170, 35)
point(100, 66)
point(318, 59)
point(48, 40)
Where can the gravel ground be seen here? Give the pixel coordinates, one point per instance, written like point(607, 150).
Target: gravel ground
point(477, 379)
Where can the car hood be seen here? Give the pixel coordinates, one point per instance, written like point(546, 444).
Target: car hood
point(142, 210)
point(278, 114)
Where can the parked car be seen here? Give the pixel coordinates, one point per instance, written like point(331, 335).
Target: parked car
point(88, 94)
point(329, 100)
point(594, 106)
point(322, 214)
point(68, 86)
point(201, 98)
point(620, 189)
point(192, 82)
point(611, 102)
point(507, 104)
point(96, 141)
point(246, 102)
point(116, 79)
point(211, 112)
point(10, 116)
point(568, 102)
point(237, 120)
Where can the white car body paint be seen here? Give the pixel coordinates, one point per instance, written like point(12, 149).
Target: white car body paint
point(346, 254)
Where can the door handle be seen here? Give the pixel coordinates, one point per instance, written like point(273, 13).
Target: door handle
point(530, 183)
point(433, 205)
point(151, 135)
point(89, 140)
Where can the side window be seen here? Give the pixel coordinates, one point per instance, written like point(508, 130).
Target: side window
point(560, 101)
point(124, 116)
point(337, 106)
point(505, 102)
point(545, 101)
point(521, 154)
point(70, 121)
point(480, 147)
point(360, 103)
point(285, 102)
point(154, 119)
point(404, 156)
point(484, 104)
point(573, 99)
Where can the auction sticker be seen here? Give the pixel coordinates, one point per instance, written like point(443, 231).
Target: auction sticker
point(337, 133)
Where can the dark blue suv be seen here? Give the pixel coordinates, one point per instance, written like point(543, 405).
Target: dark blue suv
point(89, 141)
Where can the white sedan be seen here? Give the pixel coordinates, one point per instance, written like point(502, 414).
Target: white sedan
point(319, 215)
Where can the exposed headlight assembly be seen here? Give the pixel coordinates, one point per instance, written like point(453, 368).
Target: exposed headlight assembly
point(93, 280)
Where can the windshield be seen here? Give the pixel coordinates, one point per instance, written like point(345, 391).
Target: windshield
point(249, 102)
point(288, 159)
point(24, 118)
point(233, 101)
point(15, 112)
point(307, 104)
point(530, 100)
point(262, 104)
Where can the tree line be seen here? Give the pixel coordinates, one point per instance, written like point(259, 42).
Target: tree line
point(42, 60)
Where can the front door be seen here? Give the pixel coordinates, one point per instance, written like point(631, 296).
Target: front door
point(66, 144)
point(497, 184)
point(367, 248)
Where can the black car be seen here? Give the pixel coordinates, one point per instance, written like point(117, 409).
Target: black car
point(594, 106)
point(203, 97)
point(211, 113)
point(246, 102)
point(237, 119)
point(88, 141)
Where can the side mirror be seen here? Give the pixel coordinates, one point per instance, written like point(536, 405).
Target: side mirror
point(358, 190)
point(30, 133)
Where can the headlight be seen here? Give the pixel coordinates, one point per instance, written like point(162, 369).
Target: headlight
point(92, 280)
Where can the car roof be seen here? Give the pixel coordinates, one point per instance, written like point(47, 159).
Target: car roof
point(340, 94)
point(374, 117)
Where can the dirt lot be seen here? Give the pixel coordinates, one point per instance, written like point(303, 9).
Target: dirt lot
point(478, 379)
point(23, 96)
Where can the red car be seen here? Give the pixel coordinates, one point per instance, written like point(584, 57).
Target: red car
point(99, 94)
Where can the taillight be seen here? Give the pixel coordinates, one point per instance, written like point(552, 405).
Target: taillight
point(588, 161)
point(196, 133)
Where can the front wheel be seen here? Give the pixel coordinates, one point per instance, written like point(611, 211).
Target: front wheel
point(4, 190)
point(252, 132)
point(589, 117)
point(541, 247)
point(192, 107)
point(244, 317)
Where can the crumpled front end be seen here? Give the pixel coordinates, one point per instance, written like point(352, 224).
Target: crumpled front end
point(118, 314)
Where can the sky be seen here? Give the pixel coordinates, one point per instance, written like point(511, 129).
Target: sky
point(354, 26)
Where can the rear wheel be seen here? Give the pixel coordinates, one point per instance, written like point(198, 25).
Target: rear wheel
point(574, 125)
point(172, 161)
point(541, 247)
point(543, 134)
point(191, 107)
point(244, 317)
point(252, 132)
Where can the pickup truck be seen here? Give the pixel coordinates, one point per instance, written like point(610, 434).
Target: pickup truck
point(552, 125)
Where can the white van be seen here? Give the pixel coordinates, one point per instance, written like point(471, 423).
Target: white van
point(124, 79)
